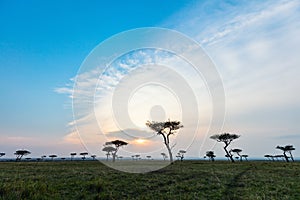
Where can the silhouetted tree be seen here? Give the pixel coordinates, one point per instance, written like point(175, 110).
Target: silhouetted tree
point(166, 129)
point(108, 150)
point(149, 157)
point(120, 157)
point(137, 157)
point(287, 149)
point(20, 153)
point(73, 154)
point(211, 155)
point(63, 158)
point(43, 157)
point(83, 154)
point(2, 154)
point(237, 151)
point(279, 156)
point(93, 156)
point(245, 156)
point(28, 159)
point(164, 156)
point(226, 138)
point(52, 156)
point(180, 154)
point(117, 144)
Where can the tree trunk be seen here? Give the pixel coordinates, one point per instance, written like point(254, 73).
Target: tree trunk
point(114, 156)
point(228, 154)
point(286, 158)
point(170, 152)
point(292, 156)
point(166, 141)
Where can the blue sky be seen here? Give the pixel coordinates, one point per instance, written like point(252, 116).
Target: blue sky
point(42, 46)
point(253, 44)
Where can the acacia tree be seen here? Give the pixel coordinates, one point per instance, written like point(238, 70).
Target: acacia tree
point(83, 154)
point(279, 156)
point(149, 157)
point(166, 129)
point(93, 156)
point(20, 153)
point(245, 156)
point(43, 157)
point(108, 150)
point(164, 156)
point(73, 154)
point(237, 151)
point(52, 156)
point(2, 154)
point(287, 149)
point(269, 157)
point(137, 156)
point(117, 144)
point(211, 155)
point(180, 154)
point(226, 138)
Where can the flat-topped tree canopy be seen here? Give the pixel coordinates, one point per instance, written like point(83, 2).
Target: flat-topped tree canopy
point(22, 152)
point(118, 143)
point(226, 138)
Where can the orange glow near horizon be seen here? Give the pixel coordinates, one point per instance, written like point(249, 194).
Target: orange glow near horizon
point(140, 141)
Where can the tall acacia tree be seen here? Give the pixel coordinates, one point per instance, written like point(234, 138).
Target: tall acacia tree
point(20, 153)
point(2, 154)
point(165, 129)
point(73, 154)
point(226, 138)
point(117, 144)
point(287, 149)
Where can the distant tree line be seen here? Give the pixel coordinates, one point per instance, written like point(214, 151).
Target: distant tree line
point(166, 129)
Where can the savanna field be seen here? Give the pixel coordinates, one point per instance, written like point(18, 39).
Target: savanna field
point(182, 180)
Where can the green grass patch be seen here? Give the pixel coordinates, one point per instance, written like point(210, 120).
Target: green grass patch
point(186, 180)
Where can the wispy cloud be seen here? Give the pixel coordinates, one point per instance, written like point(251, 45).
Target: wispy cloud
point(255, 48)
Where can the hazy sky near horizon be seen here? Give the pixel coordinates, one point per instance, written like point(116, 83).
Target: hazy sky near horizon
point(254, 46)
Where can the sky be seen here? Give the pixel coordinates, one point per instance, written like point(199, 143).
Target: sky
point(254, 46)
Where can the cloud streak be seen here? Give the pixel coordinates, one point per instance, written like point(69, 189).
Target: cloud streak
point(255, 48)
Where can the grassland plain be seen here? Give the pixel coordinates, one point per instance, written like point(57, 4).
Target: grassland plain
point(186, 180)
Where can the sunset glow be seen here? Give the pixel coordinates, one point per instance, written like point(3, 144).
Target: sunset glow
point(140, 141)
